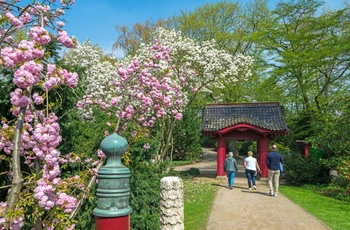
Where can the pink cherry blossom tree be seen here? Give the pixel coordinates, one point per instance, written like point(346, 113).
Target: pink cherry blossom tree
point(34, 135)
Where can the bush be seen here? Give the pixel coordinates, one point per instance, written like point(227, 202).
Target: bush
point(300, 171)
point(144, 195)
point(342, 165)
point(336, 192)
point(187, 137)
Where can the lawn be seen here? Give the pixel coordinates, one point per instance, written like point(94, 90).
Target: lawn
point(199, 197)
point(332, 212)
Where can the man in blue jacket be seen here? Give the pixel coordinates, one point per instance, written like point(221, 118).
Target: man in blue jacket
point(273, 161)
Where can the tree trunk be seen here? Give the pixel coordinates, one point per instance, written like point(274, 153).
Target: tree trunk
point(17, 180)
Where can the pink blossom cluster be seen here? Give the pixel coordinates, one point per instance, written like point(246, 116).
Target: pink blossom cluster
point(26, 51)
point(16, 22)
point(66, 40)
point(45, 194)
point(48, 198)
point(19, 99)
point(68, 203)
point(46, 135)
point(65, 2)
point(40, 35)
point(56, 76)
point(150, 95)
point(28, 74)
point(70, 79)
point(16, 223)
point(22, 16)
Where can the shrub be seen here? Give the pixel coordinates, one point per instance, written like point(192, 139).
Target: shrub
point(342, 165)
point(336, 192)
point(186, 137)
point(299, 170)
point(144, 195)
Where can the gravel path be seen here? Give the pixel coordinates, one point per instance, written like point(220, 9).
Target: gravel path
point(242, 209)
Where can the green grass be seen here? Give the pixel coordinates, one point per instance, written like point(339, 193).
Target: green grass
point(199, 197)
point(332, 212)
point(177, 163)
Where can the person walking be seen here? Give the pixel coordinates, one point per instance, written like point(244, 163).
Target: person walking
point(251, 169)
point(230, 168)
point(273, 161)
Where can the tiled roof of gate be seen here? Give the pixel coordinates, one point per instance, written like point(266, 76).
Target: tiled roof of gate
point(268, 115)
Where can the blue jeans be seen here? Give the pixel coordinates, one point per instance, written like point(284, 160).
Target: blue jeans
point(250, 174)
point(231, 178)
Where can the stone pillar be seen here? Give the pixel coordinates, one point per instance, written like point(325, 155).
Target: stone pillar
point(221, 156)
point(113, 210)
point(171, 203)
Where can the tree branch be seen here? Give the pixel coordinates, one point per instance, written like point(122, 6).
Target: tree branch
point(86, 191)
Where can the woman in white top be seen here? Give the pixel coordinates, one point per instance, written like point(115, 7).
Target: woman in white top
point(251, 167)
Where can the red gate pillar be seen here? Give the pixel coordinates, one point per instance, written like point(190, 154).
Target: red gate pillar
point(221, 156)
point(263, 147)
point(306, 149)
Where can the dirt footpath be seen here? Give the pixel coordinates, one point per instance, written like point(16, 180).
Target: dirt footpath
point(240, 208)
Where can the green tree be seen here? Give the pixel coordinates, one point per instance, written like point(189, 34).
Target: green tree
point(233, 27)
point(307, 52)
point(130, 38)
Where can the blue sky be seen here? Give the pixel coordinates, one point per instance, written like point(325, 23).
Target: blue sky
point(96, 20)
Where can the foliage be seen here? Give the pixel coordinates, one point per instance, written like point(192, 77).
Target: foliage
point(85, 219)
point(206, 142)
point(144, 197)
point(336, 192)
point(333, 213)
point(342, 167)
point(299, 170)
point(6, 86)
point(307, 51)
point(332, 126)
point(187, 137)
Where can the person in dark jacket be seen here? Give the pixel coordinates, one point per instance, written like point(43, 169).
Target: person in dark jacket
point(273, 160)
point(230, 168)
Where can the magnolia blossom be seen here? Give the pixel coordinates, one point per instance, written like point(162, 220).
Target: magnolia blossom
point(158, 82)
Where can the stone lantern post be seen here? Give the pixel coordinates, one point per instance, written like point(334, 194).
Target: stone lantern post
point(113, 191)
